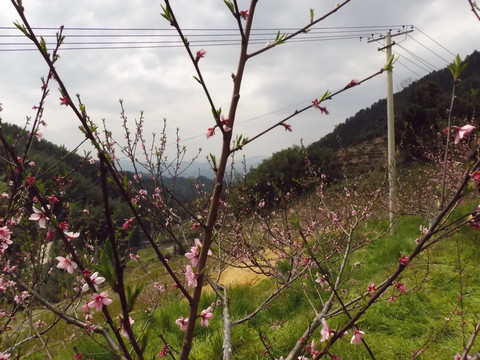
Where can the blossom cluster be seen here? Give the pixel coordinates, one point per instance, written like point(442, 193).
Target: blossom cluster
point(224, 122)
point(191, 276)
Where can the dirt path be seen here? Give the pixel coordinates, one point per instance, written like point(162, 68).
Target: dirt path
point(237, 276)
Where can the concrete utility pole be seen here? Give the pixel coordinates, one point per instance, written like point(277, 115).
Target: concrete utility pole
point(392, 168)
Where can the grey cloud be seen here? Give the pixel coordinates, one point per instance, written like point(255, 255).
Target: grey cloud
point(160, 81)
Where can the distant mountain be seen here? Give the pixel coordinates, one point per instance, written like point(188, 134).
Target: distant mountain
point(203, 168)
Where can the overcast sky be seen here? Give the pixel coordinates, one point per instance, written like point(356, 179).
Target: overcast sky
point(158, 80)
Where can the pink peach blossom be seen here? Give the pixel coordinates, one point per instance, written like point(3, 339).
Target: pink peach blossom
point(357, 337)
point(326, 331)
point(39, 215)
point(463, 132)
point(66, 264)
point(182, 322)
point(210, 132)
point(127, 224)
point(124, 332)
point(200, 54)
point(191, 277)
point(194, 253)
point(99, 300)
point(71, 235)
point(96, 280)
point(64, 101)
point(5, 234)
point(371, 288)
point(206, 315)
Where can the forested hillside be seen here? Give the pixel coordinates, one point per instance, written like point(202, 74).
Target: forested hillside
point(420, 114)
point(75, 178)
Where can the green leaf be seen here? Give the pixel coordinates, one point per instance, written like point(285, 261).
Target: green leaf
point(213, 160)
point(295, 222)
point(230, 6)
point(216, 113)
point(389, 65)
point(133, 292)
point(198, 80)
point(280, 39)
point(82, 109)
point(22, 28)
point(166, 14)
point(107, 252)
point(312, 14)
point(43, 45)
point(456, 68)
point(106, 268)
point(60, 38)
point(144, 340)
point(240, 141)
point(325, 96)
point(107, 157)
point(40, 187)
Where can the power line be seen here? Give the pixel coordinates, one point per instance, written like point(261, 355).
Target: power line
point(436, 42)
point(418, 58)
point(85, 28)
point(426, 47)
point(203, 37)
point(154, 45)
point(311, 38)
point(413, 58)
point(405, 66)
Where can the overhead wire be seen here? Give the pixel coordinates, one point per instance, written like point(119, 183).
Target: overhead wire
point(426, 65)
point(435, 41)
point(413, 58)
point(426, 47)
point(409, 69)
point(401, 63)
point(109, 38)
point(105, 45)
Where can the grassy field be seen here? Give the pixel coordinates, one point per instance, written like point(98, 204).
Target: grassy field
point(428, 317)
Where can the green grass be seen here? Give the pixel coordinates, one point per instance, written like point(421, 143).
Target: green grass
point(392, 330)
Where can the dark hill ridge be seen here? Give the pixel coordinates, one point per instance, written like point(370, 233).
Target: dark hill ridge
point(420, 113)
point(47, 157)
point(357, 144)
point(417, 106)
point(74, 180)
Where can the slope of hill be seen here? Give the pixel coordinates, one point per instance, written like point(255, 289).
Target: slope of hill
point(420, 113)
point(358, 144)
point(75, 182)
